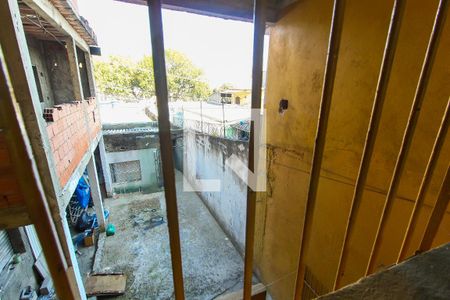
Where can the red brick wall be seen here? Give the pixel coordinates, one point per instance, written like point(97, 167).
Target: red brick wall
point(10, 194)
point(71, 128)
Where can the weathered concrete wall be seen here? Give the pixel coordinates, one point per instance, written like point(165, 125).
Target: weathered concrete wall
point(59, 71)
point(148, 182)
point(130, 141)
point(298, 47)
point(205, 159)
point(38, 59)
point(138, 141)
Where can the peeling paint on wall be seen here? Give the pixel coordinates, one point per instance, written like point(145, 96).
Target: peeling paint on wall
point(205, 157)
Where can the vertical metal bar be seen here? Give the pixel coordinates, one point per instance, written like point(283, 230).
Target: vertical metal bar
point(321, 132)
point(377, 108)
point(201, 115)
point(437, 214)
point(223, 118)
point(259, 28)
point(426, 180)
point(409, 131)
point(165, 141)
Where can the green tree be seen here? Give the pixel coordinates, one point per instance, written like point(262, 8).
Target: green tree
point(144, 76)
point(184, 79)
point(122, 77)
point(116, 76)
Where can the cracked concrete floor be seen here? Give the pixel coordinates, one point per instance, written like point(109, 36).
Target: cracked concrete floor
point(140, 248)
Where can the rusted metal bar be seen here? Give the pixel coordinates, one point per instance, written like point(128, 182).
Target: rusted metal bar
point(259, 25)
point(409, 131)
point(321, 132)
point(165, 141)
point(426, 180)
point(437, 214)
point(375, 117)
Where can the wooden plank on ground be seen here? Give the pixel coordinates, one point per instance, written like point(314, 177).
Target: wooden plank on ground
point(105, 284)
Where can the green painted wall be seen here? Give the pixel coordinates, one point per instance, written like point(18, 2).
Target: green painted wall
point(148, 182)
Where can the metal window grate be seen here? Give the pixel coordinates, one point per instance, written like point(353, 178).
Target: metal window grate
point(6, 250)
point(127, 171)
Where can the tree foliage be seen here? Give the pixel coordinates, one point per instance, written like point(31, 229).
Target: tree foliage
point(122, 77)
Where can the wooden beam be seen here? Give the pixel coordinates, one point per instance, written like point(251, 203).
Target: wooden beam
point(165, 141)
point(337, 22)
point(409, 131)
point(259, 27)
point(46, 10)
point(240, 10)
point(437, 214)
point(426, 180)
point(28, 177)
point(15, 49)
point(13, 217)
point(375, 117)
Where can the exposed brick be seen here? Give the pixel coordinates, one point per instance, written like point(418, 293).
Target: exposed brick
point(72, 134)
point(50, 131)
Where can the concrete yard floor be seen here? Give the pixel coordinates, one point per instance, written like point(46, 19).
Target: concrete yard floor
point(85, 258)
point(140, 248)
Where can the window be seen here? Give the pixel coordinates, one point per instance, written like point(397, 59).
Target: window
point(83, 71)
point(38, 83)
point(127, 171)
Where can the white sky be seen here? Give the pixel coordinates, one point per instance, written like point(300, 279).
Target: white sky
point(222, 48)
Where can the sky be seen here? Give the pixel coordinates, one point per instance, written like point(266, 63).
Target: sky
point(221, 48)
